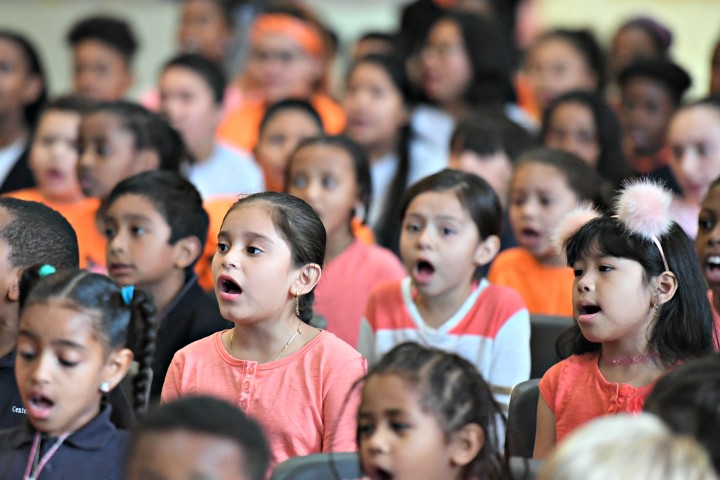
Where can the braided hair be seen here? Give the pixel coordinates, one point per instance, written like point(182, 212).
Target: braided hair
point(117, 323)
point(450, 388)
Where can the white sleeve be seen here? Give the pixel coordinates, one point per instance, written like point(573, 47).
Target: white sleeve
point(510, 357)
point(366, 341)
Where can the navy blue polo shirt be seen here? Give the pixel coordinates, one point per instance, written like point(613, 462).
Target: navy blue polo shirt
point(12, 412)
point(96, 451)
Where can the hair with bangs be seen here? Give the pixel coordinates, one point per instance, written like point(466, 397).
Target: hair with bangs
point(684, 326)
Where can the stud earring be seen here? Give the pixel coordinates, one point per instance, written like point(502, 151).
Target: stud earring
point(105, 387)
point(297, 306)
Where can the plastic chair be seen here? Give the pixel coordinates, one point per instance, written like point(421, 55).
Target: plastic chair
point(522, 417)
point(544, 331)
point(321, 466)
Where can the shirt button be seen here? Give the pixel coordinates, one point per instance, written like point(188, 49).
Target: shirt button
point(251, 370)
point(246, 386)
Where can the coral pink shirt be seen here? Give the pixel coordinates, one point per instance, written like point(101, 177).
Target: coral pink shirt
point(299, 400)
point(576, 391)
point(346, 283)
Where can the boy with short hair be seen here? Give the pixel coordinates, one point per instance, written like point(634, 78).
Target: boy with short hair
point(103, 50)
point(197, 437)
point(156, 228)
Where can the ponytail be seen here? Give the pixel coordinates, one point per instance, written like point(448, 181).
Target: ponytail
point(143, 329)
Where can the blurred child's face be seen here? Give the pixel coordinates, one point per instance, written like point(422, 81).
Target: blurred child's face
point(17, 87)
point(9, 278)
point(203, 29)
point(612, 301)
point(694, 141)
point(367, 46)
point(324, 176)
point(446, 67)
point(184, 455)
point(707, 242)
point(572, 128)
point(101, 72)
point(278, 140)
point(440, 246)
point(282, 68)
point(555, 67)
point(252, 256)
point(398, 438)
point(374, 107)
point(138, 249)
point(645, 111)
point(61, 362)
point(187, 101)
point(107, 154)
point(496, 169)
point(539, 197)
point(54, 155)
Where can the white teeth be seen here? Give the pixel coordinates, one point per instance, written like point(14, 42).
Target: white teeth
point(714, 260)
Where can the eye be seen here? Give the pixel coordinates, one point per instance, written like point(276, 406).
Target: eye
point(67, 363)
point(27, 355)
point(222, 247)
point(253, 250)
point(702, 149)
point(545, 201)
point(412, 227)
point(447, 231)
point(299, 181)
point(605, 268)
point(706, 223)
point(399, 426)
point(329, 183)
point(365, 429)
point(137, 230)
point(102, 150)
point(109, 232)
point(578, 272)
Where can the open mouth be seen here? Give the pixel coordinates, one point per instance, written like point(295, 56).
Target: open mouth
point(380, 474)
point(423, 271)
point(39, 406)
point(589, 309)
point(229, 287)
point(713, 263)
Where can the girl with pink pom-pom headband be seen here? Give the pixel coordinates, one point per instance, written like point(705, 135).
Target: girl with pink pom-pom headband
point(643, 208)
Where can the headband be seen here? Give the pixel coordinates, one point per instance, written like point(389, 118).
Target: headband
point(642, 206)
point(304, 33)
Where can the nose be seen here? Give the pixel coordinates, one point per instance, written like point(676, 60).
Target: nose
point(229, 260)
point(41, 368)
point(424, 238)
point(116, 243)
point(584, 283)
point(377, 442)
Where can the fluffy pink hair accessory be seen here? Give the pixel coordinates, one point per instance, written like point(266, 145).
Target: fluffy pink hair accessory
point(571, 223)
point(643, 206)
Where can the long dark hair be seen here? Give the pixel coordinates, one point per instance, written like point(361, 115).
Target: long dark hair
point(684, 326)
point(35, 68)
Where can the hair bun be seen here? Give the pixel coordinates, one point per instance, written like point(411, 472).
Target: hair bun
point(643, 206)
point(571, 223)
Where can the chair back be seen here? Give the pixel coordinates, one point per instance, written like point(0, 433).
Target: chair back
point(522, 417)
point(544, 332)
point(321, 466)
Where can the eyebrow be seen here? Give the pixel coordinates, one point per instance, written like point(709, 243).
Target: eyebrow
point(56, 343)
point(250, 235)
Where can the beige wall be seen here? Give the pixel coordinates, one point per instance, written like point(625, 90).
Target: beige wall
point(696, 25)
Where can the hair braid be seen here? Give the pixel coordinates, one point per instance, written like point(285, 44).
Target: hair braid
point(144, 326)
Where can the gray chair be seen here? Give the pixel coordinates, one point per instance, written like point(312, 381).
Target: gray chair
point(522, 417)
point(544, 331)
point(322, 466)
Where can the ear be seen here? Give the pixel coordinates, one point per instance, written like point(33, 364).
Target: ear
point(145, 160)
point(32, 89)
point(666, 285)
point(486, 250)
point(308, 276)
point(465, 444)
point(116, 366)
point(186, 251)
point(13, 293)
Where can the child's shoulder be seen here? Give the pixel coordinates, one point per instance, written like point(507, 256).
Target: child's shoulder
point(573, 366)
point(502, 296)
point(200, 348)
point(371, 258)
point(335, 349)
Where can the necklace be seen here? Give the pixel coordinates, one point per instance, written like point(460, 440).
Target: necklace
point(287, 344)
point(632, 359)
point(35, 463)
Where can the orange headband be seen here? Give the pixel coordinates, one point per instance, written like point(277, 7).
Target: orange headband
point(305, 34)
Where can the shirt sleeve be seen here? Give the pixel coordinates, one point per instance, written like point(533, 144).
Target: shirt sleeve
point(340, 407)
point(366, 341)
point(171, 387)
point(511, 357)
point(549, 385)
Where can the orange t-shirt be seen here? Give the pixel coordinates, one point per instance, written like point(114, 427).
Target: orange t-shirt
point(546, 290)
point(81, 215)
point(241, 126)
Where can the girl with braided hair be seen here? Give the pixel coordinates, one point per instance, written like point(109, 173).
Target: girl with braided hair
point(71, 351)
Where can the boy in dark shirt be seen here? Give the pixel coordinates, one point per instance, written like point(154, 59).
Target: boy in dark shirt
point(156, 227)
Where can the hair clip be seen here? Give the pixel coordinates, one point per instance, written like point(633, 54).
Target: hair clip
point(127, 293)
point(643, 206)
point(571, 223)
point(46, 270)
